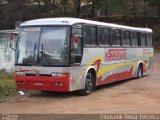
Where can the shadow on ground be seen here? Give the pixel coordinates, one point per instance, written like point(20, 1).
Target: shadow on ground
point(66, 95)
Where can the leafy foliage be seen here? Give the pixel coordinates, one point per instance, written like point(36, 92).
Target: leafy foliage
point(22, 10)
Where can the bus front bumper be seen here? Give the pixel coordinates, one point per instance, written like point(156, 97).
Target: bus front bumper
point(42, 83)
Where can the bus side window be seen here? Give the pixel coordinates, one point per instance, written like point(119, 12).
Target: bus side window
point(107, 36)
point(149, 39)
point(125, 37)
point(115, 37)
point(93, 35)
point(118, 36)
point(134, 38)
point(101, 36)
point(143, 39)
point(89, 35)
point(77, 31)
point(86, 34)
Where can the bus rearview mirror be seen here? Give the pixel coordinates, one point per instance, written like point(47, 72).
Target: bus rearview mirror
point(75, 41)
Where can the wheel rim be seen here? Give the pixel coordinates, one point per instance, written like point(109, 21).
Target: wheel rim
point(88, 84)
point(139, 72)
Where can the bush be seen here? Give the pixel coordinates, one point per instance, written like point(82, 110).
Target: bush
point(7, 84)
point(6, 76)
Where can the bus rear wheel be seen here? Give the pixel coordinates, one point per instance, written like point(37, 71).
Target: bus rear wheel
point(89, 84)
point(140, 71)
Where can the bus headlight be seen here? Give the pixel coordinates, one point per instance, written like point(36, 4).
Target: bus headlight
point(20, 73)
point(58, 74)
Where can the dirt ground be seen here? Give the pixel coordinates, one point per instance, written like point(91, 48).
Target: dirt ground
point(132, 96)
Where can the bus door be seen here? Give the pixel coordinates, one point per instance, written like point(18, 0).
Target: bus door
point(76, 56)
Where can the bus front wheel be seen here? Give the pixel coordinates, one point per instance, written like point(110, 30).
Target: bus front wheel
point(89, 84)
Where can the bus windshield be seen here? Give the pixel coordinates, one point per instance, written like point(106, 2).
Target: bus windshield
point(46, 46)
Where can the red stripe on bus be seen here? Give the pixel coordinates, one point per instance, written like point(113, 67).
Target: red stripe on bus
point(98, 63)
point(116, 77)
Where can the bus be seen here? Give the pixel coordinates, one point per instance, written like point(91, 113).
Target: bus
point(72, 54)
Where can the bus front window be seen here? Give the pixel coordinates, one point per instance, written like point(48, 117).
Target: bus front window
point(46, 46)
point(26, 52)
point(54, 46)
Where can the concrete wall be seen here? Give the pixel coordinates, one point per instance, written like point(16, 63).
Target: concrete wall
point(7, 54)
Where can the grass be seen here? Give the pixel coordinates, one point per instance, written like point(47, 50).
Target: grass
point(7, 85)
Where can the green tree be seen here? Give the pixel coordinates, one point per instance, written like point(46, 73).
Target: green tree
point(14, 10)
point(155, 3)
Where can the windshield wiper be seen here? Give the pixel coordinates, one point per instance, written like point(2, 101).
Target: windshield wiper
point(42, 50)
point(34, 52)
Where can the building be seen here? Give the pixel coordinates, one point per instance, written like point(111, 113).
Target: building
point(8, 40)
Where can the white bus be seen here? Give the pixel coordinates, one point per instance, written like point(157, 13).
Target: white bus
point(71, 54)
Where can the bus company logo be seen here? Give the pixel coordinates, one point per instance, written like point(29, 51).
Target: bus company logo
point(116, 54)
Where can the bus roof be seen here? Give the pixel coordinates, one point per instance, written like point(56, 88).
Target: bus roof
point(72, 21)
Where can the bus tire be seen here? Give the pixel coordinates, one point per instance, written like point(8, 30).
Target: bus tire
point(139, 71)
point(90, 83)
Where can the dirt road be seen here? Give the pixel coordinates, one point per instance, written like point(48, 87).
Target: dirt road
point(131, 96)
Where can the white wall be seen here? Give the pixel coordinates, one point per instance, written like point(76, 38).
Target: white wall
point(7, 55)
